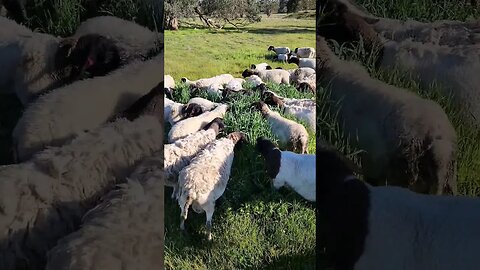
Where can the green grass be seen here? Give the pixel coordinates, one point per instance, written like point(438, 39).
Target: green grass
point(199, 53)
point(254, 226)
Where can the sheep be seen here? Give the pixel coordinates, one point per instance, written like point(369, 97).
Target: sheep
point(134, 41)
point(169, 86)
point(194, 124)
point(44, 198)
point(303, 62)
point(205, 104)
point(204, 84)
point(271, 98)
point(127, 228)
point(57, 116)
point(282, 57)
point(454, 68)
point(261, 66)
point(292, 135)
point(304, 79)
point(366, 227)
point(278, 76)
point(304, 52)
point(175, 156)
point(409, 141)
point(279, 50)
point(290, 169)
point(175, 112)
point(204, 180)
point(254, 79)
point(235, 84)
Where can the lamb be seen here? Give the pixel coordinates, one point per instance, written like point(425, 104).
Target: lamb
point(303, 62)
point(204, 180)
point(292, 135)
point(453, 67)
point(191, 125)
point(44, 198)
point(279, 50)
point(204, 84)
point(261, 66)
point(282, 57)
point(402, 143)
point(169, 86)
point(134, 41)
point(58, 116)
point(305, 113)
point(304, 52)
point(278, 76)
point(175, 156)
point(290, 169)
point(366, 227)
point(127, 228)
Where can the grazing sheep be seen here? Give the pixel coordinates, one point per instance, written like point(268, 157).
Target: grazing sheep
point(175, 156)
point(44, 198)
point(169, 86)
point(261, 66)
point(283, 57)
point(204, 180)
point(409, 141)
point(134, 41)
point(58, 116)
point(205, 104)
point(194, 124)
point(279, 50)
point(271, 98)
point(303, 62)
point(277, 76)
point(454, 68)
point(305, 52)
point(292, 135)
point(371, 228)
point(126, 228)
point(205, 83)
point(290, 169)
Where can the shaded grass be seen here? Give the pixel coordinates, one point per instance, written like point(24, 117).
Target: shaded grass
point(201, 53)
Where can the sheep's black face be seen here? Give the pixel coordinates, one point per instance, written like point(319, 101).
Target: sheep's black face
point(271, 48)
point(294, 60)
point(252, 66)
point(168, 93)
point(216, 124)
point(192, 110)
point(247, 73)
point(184, 80)
point(296, 50)
point(93, 55)
point(272, 155)
point(261, 88)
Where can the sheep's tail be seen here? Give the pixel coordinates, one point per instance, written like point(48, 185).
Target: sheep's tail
point(187, 204)
point(302, 144)
point(442, 154)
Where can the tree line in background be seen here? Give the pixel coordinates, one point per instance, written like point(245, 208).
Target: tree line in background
point(218, 13)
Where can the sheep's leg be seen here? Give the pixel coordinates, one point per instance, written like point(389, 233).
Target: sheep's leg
point(184, 212)
point(174, 192)
point(209, 209)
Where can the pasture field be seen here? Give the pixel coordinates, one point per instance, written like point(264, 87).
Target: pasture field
point(254, 226)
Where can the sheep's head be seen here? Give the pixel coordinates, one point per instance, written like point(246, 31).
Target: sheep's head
point(261, 106)
point(253, 66)
point(249, 72)
point(168, 92)
point(237, 137)
point(340, 24)
point(184, 80)
point(217, 125)
point(261, 88)
point(93, 55)
point(272, 156)
point(191, 110)
point(271, 99)
point(271, 48)
point(294, 60)
point(307, 87)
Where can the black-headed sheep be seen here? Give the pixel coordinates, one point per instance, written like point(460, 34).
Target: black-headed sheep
point(279, 50)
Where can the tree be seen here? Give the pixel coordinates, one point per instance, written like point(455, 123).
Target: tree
point(176, 9)
point(235, 12)
point(269, 6)
point(298, 5)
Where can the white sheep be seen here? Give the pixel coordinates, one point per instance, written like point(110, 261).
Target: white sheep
point(279, 50)
point(175, 156)
point(304, 52)
point(135, 41)
point(235, 85)
point(277, 76)
point(403, 128)
point(387, 227)
point(205, 83)
point(292, 135)
point(261, 66)
point(282, 57)
point(204, 180)
point(43, 198)
point(205, 104)
point(58, 116)
point(254, 80)
point(272, 98)
point(303, 62)
point(286, 168)
point(194, 124)
point(126, 227)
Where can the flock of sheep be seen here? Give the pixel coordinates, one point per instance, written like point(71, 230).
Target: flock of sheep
point(198, 165)
point(90, 114)
point(408, 142)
